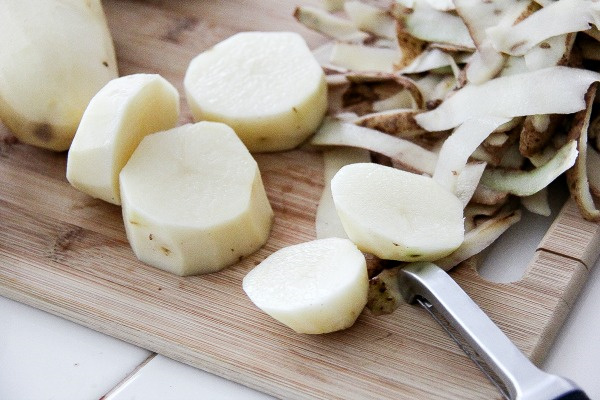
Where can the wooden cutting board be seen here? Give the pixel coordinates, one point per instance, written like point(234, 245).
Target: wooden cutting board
point(66, 253)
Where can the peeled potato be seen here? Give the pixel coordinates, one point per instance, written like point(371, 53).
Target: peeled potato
point(397, 215)
point(266, 85)
point(314, 287)
point(116, 120)
point(56, 55)
point(193, 200)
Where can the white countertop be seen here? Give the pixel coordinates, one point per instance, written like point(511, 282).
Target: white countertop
point(44, 357)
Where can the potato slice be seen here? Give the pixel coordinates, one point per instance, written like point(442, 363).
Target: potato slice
point(193, 199)
point(266, 85)
point(314, 287)
point(55, 56)
point(115, 121)
point(397, 215)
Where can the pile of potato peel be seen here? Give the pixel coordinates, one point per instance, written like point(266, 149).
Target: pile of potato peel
point(494, 100)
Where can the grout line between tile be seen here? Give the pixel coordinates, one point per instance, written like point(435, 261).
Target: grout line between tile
point(129, 377)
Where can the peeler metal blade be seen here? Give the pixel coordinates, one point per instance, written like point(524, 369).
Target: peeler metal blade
point(515, 376)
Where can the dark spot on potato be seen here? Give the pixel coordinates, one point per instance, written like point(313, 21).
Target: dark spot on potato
point(516, 46)
point(132, 222)
point(150, 237)
point(165, 250)
point(43, 132)
point(232, 250)
point(545, 45)
point(395, 244)
point(105, 64)
point(240, 258)
point(294, 109)
point(414, 255)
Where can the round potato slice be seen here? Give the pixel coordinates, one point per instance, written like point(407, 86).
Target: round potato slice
point(397, 215)
point(314, 287)
point(193, 200)
point(116, 120)
point(266, 85)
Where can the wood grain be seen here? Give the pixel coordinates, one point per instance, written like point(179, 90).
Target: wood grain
point(66, 253)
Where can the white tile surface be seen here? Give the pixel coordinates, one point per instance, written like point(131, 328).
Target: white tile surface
point(576, 353)
point(44, 357)
point(165, 379)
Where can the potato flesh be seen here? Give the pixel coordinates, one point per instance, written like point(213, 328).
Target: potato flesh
point(193, 200)
point(313, 287)
point(55, 56)
point(116, 120)
point(266, 85)
point(397, 215)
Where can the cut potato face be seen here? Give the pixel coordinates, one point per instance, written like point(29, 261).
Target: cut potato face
point(397, 215)
point(266, 85)
point(193, 200)
point(116, 120)
point(55, 56)
point(314, 287)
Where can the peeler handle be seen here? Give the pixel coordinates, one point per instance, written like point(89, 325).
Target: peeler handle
point(523, 380)
point(573, 395)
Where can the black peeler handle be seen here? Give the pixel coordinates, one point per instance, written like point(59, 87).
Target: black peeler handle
point(573, 395)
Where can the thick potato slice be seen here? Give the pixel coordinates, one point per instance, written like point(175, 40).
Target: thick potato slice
point(314, 287)
point(55, 56)
point(397, 215)
point(266, 85)
point(116, 120)
point(193, 199)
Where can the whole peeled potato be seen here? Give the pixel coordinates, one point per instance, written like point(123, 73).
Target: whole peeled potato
point(54, 56)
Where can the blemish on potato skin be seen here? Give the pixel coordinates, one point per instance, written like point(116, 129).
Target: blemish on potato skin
point(165, 251)
point(516, 46)
point(105, 64)
point(545, 45)
point(43, 132)
point(150, 237)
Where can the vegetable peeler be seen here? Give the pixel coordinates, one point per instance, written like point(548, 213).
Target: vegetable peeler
point(513, 374)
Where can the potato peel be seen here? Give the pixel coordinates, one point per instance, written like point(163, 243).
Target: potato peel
point(526, 183)
point(555, 19)
point(577, 177)
point(480, 238)
point(514, 96)
point(412, 156)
